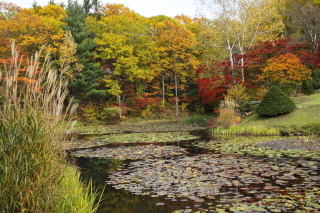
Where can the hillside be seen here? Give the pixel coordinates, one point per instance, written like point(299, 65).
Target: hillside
point(304, 119)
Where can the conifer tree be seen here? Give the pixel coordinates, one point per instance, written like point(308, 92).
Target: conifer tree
point(275, 103)
point(86, 81)
point(307, 88)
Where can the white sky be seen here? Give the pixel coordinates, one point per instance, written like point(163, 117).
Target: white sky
point(143, 7)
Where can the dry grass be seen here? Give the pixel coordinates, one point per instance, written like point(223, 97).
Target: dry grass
point(228, 114)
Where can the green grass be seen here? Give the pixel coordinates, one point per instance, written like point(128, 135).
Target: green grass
point(34, 173)
point(250, 130)
point(305, 120)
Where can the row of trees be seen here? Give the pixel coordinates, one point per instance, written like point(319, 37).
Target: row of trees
point(117, 61)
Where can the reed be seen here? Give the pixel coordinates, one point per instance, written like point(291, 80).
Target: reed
point(250, 130)
point(34, 174)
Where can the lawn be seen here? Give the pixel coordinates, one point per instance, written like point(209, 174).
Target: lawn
point(304, 119)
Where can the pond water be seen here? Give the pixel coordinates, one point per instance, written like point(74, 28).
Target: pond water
point(193, 175)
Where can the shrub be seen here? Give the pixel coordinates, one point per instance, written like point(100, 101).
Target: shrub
point(198, 120)
point(228, 114)
point(212, 123)
point(316, 79)
point(275, 103)
point(307, 88)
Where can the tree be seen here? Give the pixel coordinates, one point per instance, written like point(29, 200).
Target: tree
point(124, 39)
point(256, 58)
point(31, 29)
point(286, 71)
point(213, 82)
point(241, 23)
point(87, 79)
point(68, 61)
point(307, 88)
point(303, 22)
point(174, 45)
point(124, 46)
point(275, 103)
point(8, 10)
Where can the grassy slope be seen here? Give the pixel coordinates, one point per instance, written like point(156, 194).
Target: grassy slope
point(308, 116)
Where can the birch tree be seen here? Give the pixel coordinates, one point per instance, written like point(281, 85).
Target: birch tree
point(303, 21)
point(241, 23)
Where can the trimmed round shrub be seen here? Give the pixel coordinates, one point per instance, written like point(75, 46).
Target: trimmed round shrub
point(307, 88)
point(275, 103)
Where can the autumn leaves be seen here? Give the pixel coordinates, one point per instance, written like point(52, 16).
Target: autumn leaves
point(110, 54)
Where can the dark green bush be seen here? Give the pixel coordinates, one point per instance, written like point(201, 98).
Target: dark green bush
point(275, 103)
point(307, 88)
point(316, 79)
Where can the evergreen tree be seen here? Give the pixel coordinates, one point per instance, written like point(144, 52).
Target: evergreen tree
point(307, 88)
point(275, 103)
point(316, 79)
point(85, 81)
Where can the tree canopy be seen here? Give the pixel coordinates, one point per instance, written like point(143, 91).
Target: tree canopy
point(117, 58)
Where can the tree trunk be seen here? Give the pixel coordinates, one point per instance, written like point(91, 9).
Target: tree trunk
point(120, 108)
point(176, 114)
point(163, 91)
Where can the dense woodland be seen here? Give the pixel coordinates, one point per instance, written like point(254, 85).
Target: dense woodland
point(118, 63)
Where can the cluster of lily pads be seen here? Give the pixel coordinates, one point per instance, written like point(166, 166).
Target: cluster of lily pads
point(256, 179)
point(147, 137)
point(227, 180)
point(90, 141)
point(257, 146)
point(134, 127)
point(131, 152)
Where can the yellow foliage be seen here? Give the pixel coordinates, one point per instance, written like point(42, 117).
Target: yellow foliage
point(33, 28)
point(238, 93)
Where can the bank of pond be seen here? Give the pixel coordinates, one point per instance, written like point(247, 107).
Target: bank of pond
point(182, 171)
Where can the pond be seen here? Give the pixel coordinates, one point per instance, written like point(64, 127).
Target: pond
point(180, 172)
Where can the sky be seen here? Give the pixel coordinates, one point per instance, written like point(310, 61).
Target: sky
point(146, 8)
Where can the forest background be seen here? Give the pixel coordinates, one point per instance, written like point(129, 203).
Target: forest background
point(120, 64)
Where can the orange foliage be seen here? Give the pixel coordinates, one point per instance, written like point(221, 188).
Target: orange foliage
point(284, 69)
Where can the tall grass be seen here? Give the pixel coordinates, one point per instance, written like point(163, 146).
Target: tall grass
point(251, 130)
point(228, 114)
point(34, 174)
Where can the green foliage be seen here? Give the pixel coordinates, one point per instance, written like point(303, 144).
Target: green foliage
point(316, 79)
point(96, 94)
point(275, 103)
point(307, 88)
point(112, 112)
point(304, 120)
point(34, 177)
point(198, 120)
point(86, 79)
point(156, 110)
point(92, 113)
point(34, 174)
point(251, 130)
